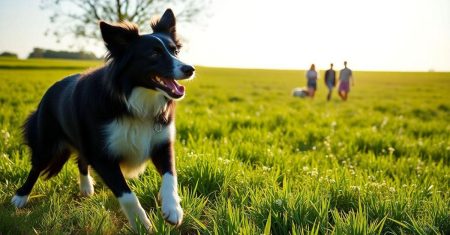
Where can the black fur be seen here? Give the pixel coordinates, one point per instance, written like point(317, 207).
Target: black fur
point(166, 24)
point(74, 111)
point(159, 160)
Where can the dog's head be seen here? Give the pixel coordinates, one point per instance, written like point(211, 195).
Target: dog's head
point(148, 60)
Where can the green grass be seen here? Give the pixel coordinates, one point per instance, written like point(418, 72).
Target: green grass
point(251, 159)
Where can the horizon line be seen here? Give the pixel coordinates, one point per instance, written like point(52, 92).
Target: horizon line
point(321, 69)
point(269, 68)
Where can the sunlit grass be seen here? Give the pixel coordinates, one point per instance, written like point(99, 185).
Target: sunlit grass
point(251, 159)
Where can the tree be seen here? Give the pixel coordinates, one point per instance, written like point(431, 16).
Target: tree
point(80, 18)
point(44, 53)
point(8, 54)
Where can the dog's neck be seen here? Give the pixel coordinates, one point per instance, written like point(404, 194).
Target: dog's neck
point(148, 104)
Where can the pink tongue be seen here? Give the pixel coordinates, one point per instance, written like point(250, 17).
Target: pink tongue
point(175, 87)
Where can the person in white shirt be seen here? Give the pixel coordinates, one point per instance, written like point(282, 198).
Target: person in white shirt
point(345, 77)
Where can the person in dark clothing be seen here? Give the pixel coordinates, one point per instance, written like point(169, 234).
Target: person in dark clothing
point(330, 80)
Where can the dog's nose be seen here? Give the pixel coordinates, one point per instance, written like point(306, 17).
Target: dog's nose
point(188, 70)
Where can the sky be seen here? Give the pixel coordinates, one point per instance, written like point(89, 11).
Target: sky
point(394, 35)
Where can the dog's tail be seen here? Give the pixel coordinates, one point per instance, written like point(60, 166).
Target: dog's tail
point(60, 157)
point(29, 131)
point(49, 159)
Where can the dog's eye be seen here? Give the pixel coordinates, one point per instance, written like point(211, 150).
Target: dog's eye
point(156, 53)
point(174, 50)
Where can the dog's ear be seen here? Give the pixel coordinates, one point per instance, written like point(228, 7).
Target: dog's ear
point(118, 37)
point(166, 24)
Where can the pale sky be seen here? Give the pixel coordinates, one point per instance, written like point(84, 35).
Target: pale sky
point(405, 35)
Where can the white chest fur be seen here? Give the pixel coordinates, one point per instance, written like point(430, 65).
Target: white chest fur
point(133, 138)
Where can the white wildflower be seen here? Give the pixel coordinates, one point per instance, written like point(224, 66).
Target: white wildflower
point(391, 150)
point(265, 168)
point(355, 188)
point(5, 135)
point(279, 202)
point(314, 172)
point(420, 142)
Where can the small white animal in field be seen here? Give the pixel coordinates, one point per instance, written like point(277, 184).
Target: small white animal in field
point(300, 92)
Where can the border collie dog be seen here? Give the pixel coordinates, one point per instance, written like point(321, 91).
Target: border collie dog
point(115, 118)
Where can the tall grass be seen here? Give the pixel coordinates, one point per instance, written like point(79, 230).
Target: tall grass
point(251, 159)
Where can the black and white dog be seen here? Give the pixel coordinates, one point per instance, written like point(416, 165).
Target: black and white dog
point(115, 118)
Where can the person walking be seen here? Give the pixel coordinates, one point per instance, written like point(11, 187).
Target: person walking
point(330, 80)
point(345, 77)
point(311, 80)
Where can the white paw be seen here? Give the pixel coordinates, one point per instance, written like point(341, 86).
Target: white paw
point(134, 211)
point(171, 209)
point(19, 201)
point(86, 185)
point(170, 201)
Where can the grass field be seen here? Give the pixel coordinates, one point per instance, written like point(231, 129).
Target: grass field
point(252, 159)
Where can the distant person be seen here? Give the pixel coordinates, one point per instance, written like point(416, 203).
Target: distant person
point(330, 80)
point(345, 77)
point(311, 80)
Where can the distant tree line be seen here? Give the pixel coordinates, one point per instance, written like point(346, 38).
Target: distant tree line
point(44, 53)
point(8, 54)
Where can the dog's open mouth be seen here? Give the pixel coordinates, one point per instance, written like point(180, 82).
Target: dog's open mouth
point(170, 87)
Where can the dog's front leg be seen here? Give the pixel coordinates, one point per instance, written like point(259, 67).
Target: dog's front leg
point(112, 176)
point(164, 160)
